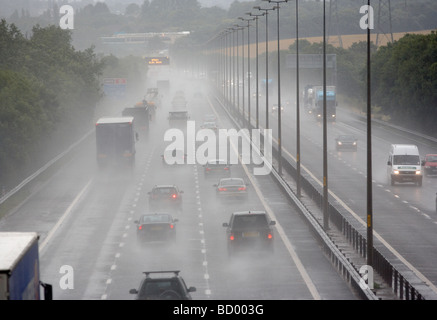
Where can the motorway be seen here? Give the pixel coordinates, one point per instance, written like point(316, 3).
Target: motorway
point(85, 217)
point(404, 215)
point(88, 249)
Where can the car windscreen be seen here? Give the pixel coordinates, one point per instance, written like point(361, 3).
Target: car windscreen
point(406, 159)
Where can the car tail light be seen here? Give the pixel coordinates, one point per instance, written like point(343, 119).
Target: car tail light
point(174, 195)
point(231, 237)
point(208, 169)
point(226, 168)
point(140, 227)
point(171, 226)
point(269, 236)
point(223, 189)
point(241, 188)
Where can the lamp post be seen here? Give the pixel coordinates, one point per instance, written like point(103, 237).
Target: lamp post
point(279, 88)
point(248, 70)
point(325, 151)
point(369, 157)
point(267, 61)
point(257, 80)
point(298, 180)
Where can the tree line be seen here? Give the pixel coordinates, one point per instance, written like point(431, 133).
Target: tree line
point(48, 91)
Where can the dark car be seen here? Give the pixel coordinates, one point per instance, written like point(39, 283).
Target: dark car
point(209, 117)
point(346, 142)
point(217, 167)
point(164, 196)
point(231, 188)
point(174, 156)
point(156, 227)
point(249, 229)
point(209, 125)
point(430, 164)
point(163, 287)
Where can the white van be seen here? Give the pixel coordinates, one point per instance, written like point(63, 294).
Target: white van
point(404, 164)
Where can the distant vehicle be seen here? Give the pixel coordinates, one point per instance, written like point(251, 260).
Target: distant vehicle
point(175, 156)
point(346, 142)
point(209, 125)
point(404, 164)
point(165, 196)
point(163, 287)
point(179, 101)
point(156, 227)
point(19, 267)
point(275, 108)
point(141, 113)
point(178, 115)
point(313, 101)
point(163, 86)
point(115, 141)
point(249, 229)
point(217, 167)
point(430, 164)
point(152, 98)
point(209, 117)
point(231, 188)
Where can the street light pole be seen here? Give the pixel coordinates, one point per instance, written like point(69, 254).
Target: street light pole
point(325, 153)
point(298, 180)
point(267, 62)
point(369, 157)
point(257, 79)
point(248, 70)
point(279, 90)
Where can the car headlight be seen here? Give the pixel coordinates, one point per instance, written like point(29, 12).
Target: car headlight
point(339, 143)
point(418, 171)
point(396, 171)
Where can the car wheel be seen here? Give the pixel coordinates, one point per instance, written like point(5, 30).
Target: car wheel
point(419, 182)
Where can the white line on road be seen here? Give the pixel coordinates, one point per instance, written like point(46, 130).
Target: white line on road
point(64, 216)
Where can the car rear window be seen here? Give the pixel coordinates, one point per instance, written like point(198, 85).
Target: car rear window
point(169, 190)
point(156, 218)
point(157, 287)
point(231, 182)
point(250, 221)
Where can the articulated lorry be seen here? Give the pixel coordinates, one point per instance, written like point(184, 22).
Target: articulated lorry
point(115, 141)
point(19, 267)
point(313, 99)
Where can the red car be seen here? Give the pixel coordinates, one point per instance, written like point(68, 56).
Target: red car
point(430, 164)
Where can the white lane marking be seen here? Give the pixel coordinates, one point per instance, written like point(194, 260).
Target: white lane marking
point(64, 215)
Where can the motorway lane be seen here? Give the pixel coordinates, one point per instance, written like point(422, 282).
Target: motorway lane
point(93, 253)
point(404, 215)
point(200, 252)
